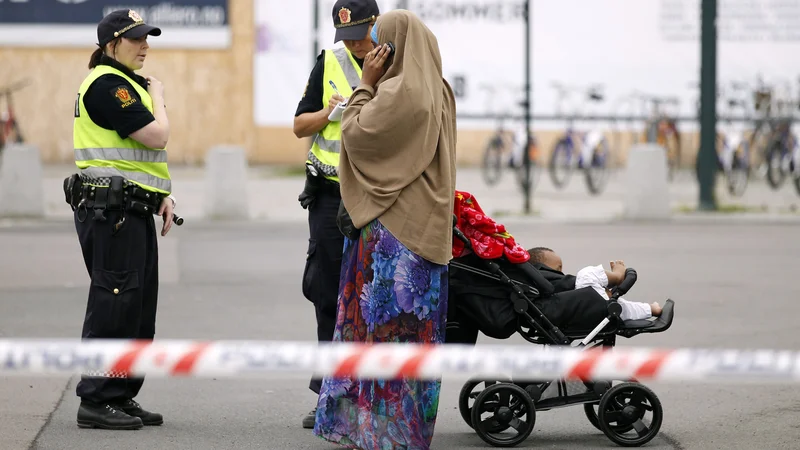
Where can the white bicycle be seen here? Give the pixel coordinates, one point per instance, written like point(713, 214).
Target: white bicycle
point(506, 146)
point(588, 151)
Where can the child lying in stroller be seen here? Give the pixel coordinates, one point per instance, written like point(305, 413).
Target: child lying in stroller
point(499, 289)
point(596, 277)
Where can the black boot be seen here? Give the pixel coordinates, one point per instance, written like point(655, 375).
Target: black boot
point(310, 419)
point(106, 417)
point(134, 409)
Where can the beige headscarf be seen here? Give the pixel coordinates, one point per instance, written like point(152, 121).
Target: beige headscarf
point(397, 161)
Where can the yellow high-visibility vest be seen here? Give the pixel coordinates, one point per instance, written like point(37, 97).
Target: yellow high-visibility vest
point(341, 68)
point(102, 153)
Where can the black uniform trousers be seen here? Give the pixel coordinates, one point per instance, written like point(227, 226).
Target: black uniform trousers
point(323, 266)
point(122, 295)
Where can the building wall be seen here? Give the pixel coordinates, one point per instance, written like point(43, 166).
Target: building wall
point(209, 96)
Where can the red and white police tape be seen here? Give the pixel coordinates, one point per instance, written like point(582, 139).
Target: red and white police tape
point(204, 359)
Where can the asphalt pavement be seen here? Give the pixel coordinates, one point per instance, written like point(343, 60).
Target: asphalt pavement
point(732, 284)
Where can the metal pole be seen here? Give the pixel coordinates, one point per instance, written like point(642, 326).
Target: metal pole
point(526, 160)
point(707, 157)
point(316, 31)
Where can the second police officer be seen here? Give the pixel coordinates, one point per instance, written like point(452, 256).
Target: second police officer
point(335, 75)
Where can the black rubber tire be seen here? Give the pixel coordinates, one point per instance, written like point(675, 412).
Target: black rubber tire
point(553, 167)
point(628, 391)
point(596, 184)
point(591, 414)
point(797, 181)
point(521, 404)
point(492, 164)
point(775, 176)
point(464, 396)
point(737, 179)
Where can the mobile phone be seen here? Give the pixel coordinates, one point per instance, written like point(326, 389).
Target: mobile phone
point(389, 56)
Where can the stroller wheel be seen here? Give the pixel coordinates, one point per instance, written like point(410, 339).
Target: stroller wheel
point(591, 413)
point(467, 396)
point(503, 407)
point(623, 412)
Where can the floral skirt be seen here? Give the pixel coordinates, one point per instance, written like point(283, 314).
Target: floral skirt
point(386, 294)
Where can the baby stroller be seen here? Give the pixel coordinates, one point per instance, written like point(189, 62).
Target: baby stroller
point(500, 298)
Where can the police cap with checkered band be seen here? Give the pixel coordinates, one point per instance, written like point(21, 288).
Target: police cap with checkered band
point(123, 23)
point(352, 18)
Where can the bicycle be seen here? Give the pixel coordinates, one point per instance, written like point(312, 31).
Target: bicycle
point(9, 126)
point(587, 151)
point(779, 151)
point(733, 149)
point(505, 147)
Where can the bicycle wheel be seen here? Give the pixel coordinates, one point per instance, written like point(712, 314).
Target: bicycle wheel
point(670, 139)
point(534, 171)
point(796, 177)
point(492, 166)
point(776, 176)
point(739, 172)
point(597, 171)
point(561, 163)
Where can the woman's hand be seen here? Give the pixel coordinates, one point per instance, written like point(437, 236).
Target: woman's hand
point(374, 64)
point(154, 87)
point(165, 211)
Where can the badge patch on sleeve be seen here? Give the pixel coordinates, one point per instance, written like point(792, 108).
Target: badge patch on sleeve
point(124, 96)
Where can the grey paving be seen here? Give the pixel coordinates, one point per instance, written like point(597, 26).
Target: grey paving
point(733, 284)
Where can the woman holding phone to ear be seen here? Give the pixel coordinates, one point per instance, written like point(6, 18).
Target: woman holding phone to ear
point(397, 172)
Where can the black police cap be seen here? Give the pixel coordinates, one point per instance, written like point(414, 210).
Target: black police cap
point(123, 23)
point(351, 18)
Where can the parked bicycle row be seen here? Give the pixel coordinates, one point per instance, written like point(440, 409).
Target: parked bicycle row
point(755, 130)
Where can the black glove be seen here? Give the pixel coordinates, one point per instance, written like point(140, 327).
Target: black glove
point(306, 200)
point(345, 223)
point(310, 189)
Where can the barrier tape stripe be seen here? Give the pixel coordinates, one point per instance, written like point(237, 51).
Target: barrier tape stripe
point(168, 358)
point(650, 368)
point(583, 369)
point(186, 364)
point(412, 366)
point(349, 366)
point(127, 360)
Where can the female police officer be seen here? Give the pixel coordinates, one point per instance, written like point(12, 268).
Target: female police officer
point(120, 134)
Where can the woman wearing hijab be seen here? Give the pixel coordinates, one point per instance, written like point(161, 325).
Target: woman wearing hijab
point(397, 172)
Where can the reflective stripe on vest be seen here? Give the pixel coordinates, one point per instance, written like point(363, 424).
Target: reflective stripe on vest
point(341, 68)
point(136, 177)
point(117, 154)
point(353, 77)
point(329, 145)
point(101, 152)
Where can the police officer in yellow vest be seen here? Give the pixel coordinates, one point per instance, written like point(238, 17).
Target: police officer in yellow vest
point(120, 136)
point(335, 75)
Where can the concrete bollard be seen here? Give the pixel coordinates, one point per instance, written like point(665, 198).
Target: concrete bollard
point(21, 192)
point(646, 187)
point(226, 184)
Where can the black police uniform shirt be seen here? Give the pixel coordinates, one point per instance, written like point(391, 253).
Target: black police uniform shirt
point(312, 97)
point(110, 108)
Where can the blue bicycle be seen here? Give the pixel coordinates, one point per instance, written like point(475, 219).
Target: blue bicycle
point(586, 151)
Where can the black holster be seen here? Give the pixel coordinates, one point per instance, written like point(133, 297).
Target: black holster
point(311, 189)
point(72, 190)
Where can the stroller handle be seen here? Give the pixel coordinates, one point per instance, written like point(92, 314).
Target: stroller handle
point(626, 285)
point(459, 234)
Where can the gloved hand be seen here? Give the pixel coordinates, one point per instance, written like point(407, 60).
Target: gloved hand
point(306, 200)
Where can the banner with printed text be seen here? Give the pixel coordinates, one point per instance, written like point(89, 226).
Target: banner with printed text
point(628, 49)
point(73, 23)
